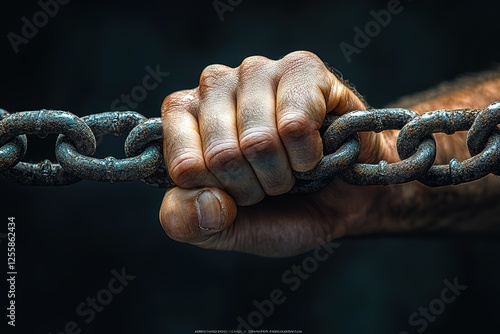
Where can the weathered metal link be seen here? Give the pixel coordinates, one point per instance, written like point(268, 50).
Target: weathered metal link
point(376, 120)
point(113, 122)
point(44, 173)
point(485, 123)
point(449, 121)
point(445, 121)
point(14, 150)
point(142, 135)
point(109, 169)
point(147, 133)
point(43, 123)
point(383, 173)
point(46, 122)
point(471, 169)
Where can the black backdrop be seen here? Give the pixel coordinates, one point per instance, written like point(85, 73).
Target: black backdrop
point(69, 239)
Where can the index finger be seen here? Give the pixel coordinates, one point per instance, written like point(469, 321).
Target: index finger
point(307, 90)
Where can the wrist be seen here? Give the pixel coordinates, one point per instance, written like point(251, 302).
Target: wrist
point(414, 207)
point(387, 210)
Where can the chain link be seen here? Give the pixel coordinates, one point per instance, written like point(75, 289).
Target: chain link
point(43, 123)
point(415, 145)
point(109, 169)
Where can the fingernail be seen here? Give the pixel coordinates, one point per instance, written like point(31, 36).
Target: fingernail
point(208, 208)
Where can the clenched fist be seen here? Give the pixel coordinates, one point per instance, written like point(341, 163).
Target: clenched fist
point(231, 146)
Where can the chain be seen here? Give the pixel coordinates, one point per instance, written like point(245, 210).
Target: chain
point(76, 145)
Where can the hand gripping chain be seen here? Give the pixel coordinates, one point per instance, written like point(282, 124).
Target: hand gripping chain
point(416, 147)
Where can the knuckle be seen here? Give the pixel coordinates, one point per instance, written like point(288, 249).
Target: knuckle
point(254, 61)
point(223, 157)
point(252, 65)
point(305, 63)
point(302, 57)
point(214, 76)
point(258, 145)
point(294, 127)
point(185, 170)
point(179, 100)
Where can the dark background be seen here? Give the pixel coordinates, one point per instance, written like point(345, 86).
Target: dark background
point(70, 238)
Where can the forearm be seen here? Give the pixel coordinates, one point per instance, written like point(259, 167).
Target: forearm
point(473, 206)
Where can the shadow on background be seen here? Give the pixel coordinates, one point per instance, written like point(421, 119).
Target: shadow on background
point(70, 239)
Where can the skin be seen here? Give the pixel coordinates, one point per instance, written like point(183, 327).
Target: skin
point(231, 145)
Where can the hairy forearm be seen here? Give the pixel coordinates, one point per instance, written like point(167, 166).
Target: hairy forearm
point(474, 206)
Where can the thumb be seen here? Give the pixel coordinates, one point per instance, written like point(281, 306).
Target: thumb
point(194, 215)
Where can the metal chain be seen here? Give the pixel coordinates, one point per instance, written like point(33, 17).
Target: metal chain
point(416, 146)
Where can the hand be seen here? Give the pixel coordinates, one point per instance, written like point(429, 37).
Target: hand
point(237, 137)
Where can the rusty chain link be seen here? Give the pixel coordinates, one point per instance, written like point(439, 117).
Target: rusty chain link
point(416, 147)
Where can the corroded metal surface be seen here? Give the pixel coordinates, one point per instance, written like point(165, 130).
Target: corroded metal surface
point(450, 121)
point(14, 150)
point(45, 173)
point(109, 169)
point(416, 147)
point(485, 123)
point(42, 123)
point(149, 132)
point(378, 120)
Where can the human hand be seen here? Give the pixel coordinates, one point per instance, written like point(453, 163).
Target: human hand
point(231, 145)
